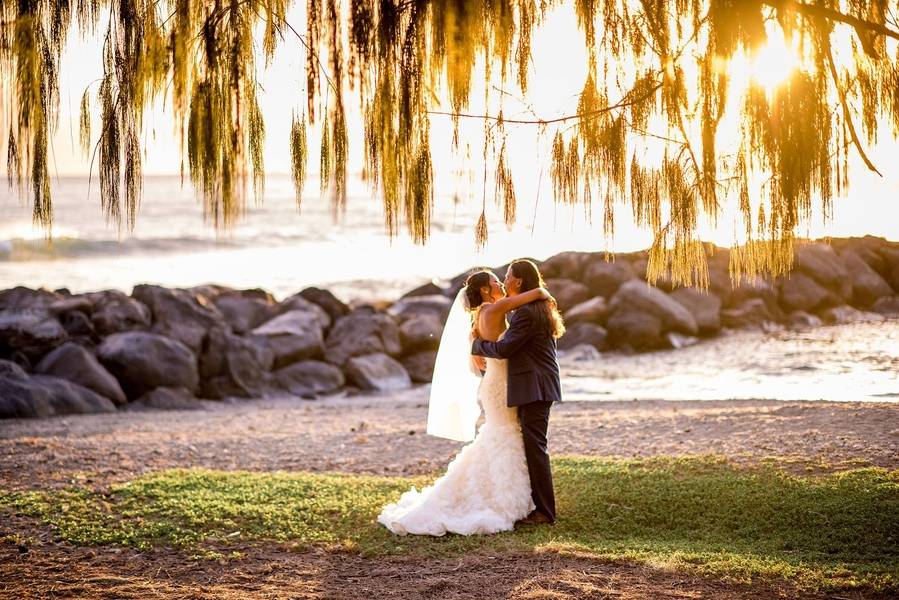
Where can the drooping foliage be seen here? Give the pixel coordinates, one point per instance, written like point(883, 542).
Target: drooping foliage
point(664, 123)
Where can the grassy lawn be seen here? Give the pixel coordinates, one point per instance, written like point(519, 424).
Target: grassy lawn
point(837, 531)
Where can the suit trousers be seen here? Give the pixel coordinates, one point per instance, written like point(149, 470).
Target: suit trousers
point(534, 419)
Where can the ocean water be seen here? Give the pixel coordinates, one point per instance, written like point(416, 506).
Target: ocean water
point(275, 246)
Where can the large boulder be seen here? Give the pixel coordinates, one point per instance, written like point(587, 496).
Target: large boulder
point(887, 306)
point(589, 311)
point(421, 333)
point(45, 396)
point(584, 333)
point(20, 297)
point(179, 314)
point(748, 288)
point(704, 306)
point(639, 296)
point(435, 306)
point(167, 398)
point(328, 301)
point(565, 265)
point(603, 278)
point(232, 365)
point(430, 288)
point(753, 313)
point(293, 336)
point(245, 312)
point(634, 329)
point(893, 278)
point(362, 332)
point(73, 363)
point(115, 312)
point(142, 361)
point(420, 365)
point(309, 378)
point(298, 302)
point(33, 332)
point(567, 293)
point(821, 263)
point(800, 292)
point(867, 285)
point(847, 314)
point(377, 372)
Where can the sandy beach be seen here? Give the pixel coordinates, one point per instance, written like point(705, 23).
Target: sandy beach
point(385, 435)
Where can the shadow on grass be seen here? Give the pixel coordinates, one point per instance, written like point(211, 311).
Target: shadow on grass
point(838, 531)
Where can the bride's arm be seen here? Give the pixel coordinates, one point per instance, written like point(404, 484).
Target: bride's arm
point(510, 303)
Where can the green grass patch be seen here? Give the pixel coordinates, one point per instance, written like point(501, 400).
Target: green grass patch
point(835, 531)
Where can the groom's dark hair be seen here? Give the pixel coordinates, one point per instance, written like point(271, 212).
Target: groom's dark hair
point(549, 319)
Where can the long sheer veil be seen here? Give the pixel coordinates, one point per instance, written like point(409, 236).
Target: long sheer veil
point(453, 409)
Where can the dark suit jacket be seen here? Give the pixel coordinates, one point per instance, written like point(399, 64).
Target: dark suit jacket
point(533, 366)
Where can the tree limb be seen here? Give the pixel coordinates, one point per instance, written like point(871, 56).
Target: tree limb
point(830, 14)
point(846, 114)
point(622, 104)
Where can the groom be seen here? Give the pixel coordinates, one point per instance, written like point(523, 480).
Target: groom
point(533, 383)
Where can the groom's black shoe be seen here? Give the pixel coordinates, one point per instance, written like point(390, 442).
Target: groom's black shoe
point(535, 518)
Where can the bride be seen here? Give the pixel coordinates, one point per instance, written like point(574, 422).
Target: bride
point(486, 487)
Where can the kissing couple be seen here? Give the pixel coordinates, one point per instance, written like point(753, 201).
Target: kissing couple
point(503, 477)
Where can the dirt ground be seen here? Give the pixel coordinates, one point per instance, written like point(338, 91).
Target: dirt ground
point(342, 435)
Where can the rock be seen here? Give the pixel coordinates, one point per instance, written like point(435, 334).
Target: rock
point(867, 285)
point(244, 313)
point(565, 265)
point(31, 331)
point(436, 306)
point(428, 289)
point(894, 278)
point(705, 308)
point(590, 311)
point(20, 298)
point(293, 336)
point(178, 314)
point(801, 320)
point(73, 363)
point(420, 365)
point(297, 302)
point(46, 396)
point(634, 329)
point(846, 314)
point(581, 353)
point(603, 278)
point(167, 398)
point(583, 333)
point(637, 295)
point(359, 333)
point(309, 378)
point(421, 333)
point(753, 287)
point(68, 304)
point(678, 340)
point(328, 301)
point(114, 312)
point(887, 306)
point(77, 324)
point(567, 293)
point(821, 263)
point(142, 361)
point(752, 313)
point(377, 372)
point(10, 369)
point(801, 292)
point(232, 365)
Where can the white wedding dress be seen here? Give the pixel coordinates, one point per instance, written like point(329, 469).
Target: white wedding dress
point(486, 487)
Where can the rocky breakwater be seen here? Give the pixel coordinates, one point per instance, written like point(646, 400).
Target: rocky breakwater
point(63, 353)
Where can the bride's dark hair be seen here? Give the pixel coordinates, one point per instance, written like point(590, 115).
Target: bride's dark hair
point(477, 280)
point(549, 318)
